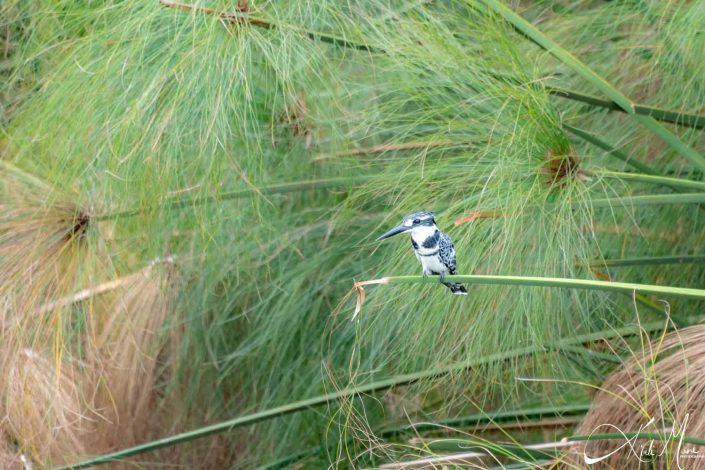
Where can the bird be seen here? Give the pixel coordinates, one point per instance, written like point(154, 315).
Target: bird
point(433, 248)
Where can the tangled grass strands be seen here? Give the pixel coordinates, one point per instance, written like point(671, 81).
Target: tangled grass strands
point(382, 385)
point(179, 201)
point(44, 408)
point(187, 132)
point(527, 29)
point(661, 381)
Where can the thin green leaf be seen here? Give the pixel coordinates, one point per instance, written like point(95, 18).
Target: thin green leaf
point(696, 121)
point(532, 33)
point(672, 140)
point(650, 200)
point(594, 354)
point(589, 284)
point(652, 436)
point(650, 260)
point(236, 17)
point(680, 183)
point(527, 414)
point(279, 188)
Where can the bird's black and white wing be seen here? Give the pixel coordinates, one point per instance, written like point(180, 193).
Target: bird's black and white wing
point(446, 251)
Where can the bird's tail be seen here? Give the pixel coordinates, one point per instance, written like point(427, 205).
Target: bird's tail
point(456, 288)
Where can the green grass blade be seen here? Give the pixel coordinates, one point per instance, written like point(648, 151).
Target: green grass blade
point(457, 449)
point(594, 354)
point(674, 142)
point(524, 466)
point(289, 187)
point(684, 259)
point(527, 414)
point(652, 436)
point(236, 17)
point(373, 387)
point(592, 139)
point(340, 42)
point(289, 460)
point(279, 188)
point(680, 183)
point(649, 200)
point(696, 121)
point(556, 282)
point(180, 202)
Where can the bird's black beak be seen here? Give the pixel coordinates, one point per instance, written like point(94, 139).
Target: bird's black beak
point(395, 231)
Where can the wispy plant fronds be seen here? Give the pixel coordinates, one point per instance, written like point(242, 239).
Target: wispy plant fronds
point(262, 147)
point(42, 234)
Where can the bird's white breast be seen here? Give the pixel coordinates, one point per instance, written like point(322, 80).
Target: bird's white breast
point(420, 234)
point(432, 263)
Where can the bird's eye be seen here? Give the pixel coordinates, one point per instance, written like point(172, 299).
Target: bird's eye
point(417, 221)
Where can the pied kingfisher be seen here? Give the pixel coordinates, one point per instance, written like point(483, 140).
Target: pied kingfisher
point(433, 248)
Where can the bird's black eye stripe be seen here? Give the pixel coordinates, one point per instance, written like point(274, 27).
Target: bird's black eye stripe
point(417, 221)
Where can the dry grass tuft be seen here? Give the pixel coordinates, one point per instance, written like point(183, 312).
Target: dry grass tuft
point(116, 395)
point(43, 409)
point(39, 231)
point(128, 352)
point(561, 167)
point(659, 390)
point(134, 343)
point(295, 119)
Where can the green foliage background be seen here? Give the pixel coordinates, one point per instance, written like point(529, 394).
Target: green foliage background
point(170, 129)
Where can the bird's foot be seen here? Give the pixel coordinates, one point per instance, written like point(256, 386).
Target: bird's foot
point(442, 277)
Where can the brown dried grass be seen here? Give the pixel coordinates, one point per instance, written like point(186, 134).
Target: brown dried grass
point(73, 391)
point(36, 226)
point(661, 389)
point(43, 409)
point(126, 343)
point(70, 393)
point(41, 254)
point(58, 413)
point(9, 457)
point(41, 392)
point(134, 351)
